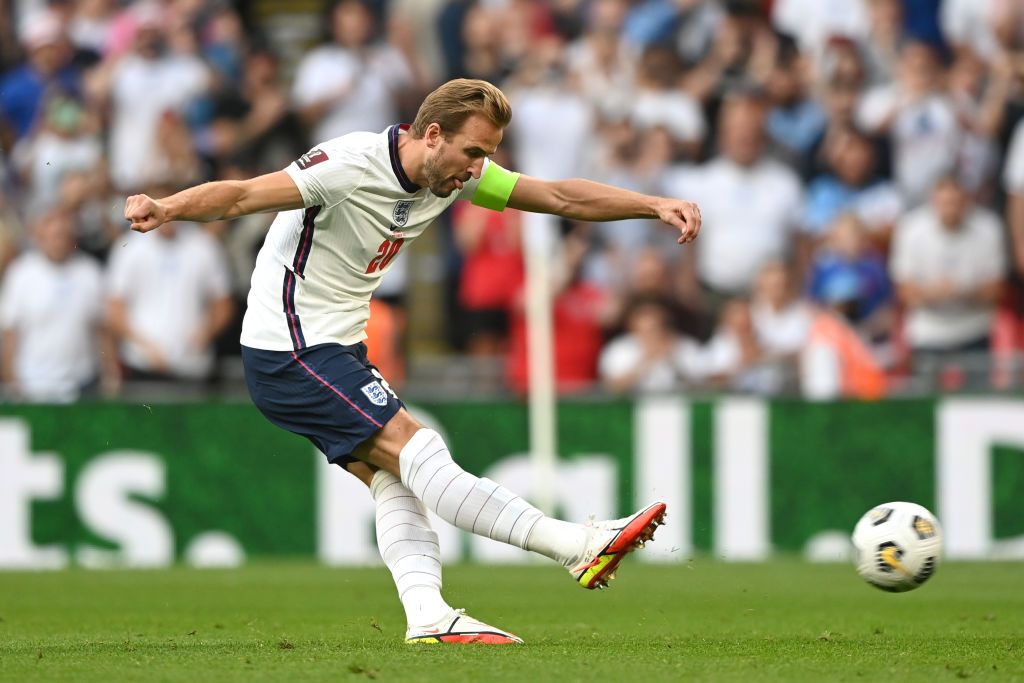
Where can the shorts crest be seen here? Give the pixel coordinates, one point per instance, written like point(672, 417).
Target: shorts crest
point(375, 392)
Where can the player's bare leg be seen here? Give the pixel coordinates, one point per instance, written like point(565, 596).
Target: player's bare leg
point(409, 548)
point(419, 457)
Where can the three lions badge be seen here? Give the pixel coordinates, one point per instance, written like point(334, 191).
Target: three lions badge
point(400, 216)
point(375, 392)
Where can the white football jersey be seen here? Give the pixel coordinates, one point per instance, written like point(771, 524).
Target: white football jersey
point(319, 266)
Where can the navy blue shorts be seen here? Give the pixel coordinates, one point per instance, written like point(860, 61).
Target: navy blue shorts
point(329, 393)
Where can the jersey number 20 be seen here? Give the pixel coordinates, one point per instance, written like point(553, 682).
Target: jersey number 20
point(385, 252)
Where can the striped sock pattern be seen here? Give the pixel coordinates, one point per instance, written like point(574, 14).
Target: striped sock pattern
point(478, 505)
point(409, 547)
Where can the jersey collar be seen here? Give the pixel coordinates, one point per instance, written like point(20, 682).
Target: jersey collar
point(396, 163)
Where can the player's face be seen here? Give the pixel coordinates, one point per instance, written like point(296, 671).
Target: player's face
point(460, 156)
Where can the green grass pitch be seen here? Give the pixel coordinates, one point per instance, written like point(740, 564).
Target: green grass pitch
point(782, 621)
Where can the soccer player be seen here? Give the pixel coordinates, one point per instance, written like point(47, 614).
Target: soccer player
point(346, 209)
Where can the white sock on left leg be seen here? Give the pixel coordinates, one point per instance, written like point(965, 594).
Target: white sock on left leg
point(410, 549)
point(482, 506)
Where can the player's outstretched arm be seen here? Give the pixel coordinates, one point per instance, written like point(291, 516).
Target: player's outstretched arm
point(215, 201)
point(585, 200)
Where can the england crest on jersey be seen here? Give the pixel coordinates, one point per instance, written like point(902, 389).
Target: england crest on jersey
point(375, 392)
point(400, 216)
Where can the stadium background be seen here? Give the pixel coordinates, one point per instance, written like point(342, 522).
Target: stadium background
point(827, 345)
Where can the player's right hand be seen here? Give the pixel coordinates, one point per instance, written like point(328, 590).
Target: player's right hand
point(144, 213)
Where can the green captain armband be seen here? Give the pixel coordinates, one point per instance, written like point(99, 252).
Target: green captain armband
point(495, 187)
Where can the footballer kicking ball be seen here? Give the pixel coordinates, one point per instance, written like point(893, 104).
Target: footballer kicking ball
point(897, 546)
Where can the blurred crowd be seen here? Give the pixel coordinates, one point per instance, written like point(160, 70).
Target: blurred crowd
point(859, 165)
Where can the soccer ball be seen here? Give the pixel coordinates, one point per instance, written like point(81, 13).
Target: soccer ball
point(898, 546)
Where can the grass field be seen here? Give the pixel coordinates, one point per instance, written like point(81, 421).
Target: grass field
point(785, 621)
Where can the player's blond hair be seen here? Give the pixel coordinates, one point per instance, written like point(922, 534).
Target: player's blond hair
point(451, 104)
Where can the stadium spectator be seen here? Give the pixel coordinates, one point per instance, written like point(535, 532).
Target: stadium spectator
point(742, 53)
point(949, 263)
point(848, 274)
point(55, 346)
point(852, 183)
point(795, 121)
point(780, 317)
point(65, 143)
point(625, 157)
point(352, 82)
point(170, 298)
point(582, 311)
point(650, 356)
point(729, 360)
point(602, 62)
point(251, 125)
point(221, 106)
point(492, 272)
point(148, 140)
point(552, 131)
point(919, 118)
point(979, 94)
point(836, 363)
point(660, 102)
point(48, 68)
point(750, 203)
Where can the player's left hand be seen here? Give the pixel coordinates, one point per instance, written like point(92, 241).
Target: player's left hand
point(144, 212)
point(682, 215)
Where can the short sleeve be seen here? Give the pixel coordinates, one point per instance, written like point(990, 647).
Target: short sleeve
point(795, 201)
point(875, 108)
point(325, 179)
point(995, 263)
point(10, 296)
point(1013, 172)
point(902, 256)
point(618, 358)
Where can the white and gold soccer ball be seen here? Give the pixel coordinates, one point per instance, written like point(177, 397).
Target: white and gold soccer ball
point(898, 546)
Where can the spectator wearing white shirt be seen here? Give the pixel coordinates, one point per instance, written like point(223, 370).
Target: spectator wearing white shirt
point(170, 297)
point(782, 320)
point(661, 102)
point(351, 83)
point(782, 325)
point(148, 86)
point(919, 118)
point(601, 61)
point(51, 311)
point(948, 261)
point(750, 204)
point(62, 146)
point(650, 356)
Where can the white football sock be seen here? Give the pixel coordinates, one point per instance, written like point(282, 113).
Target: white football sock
point(410, 549)
point(481, 506)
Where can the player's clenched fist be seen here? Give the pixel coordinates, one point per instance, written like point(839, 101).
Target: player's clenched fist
point(144, 213)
